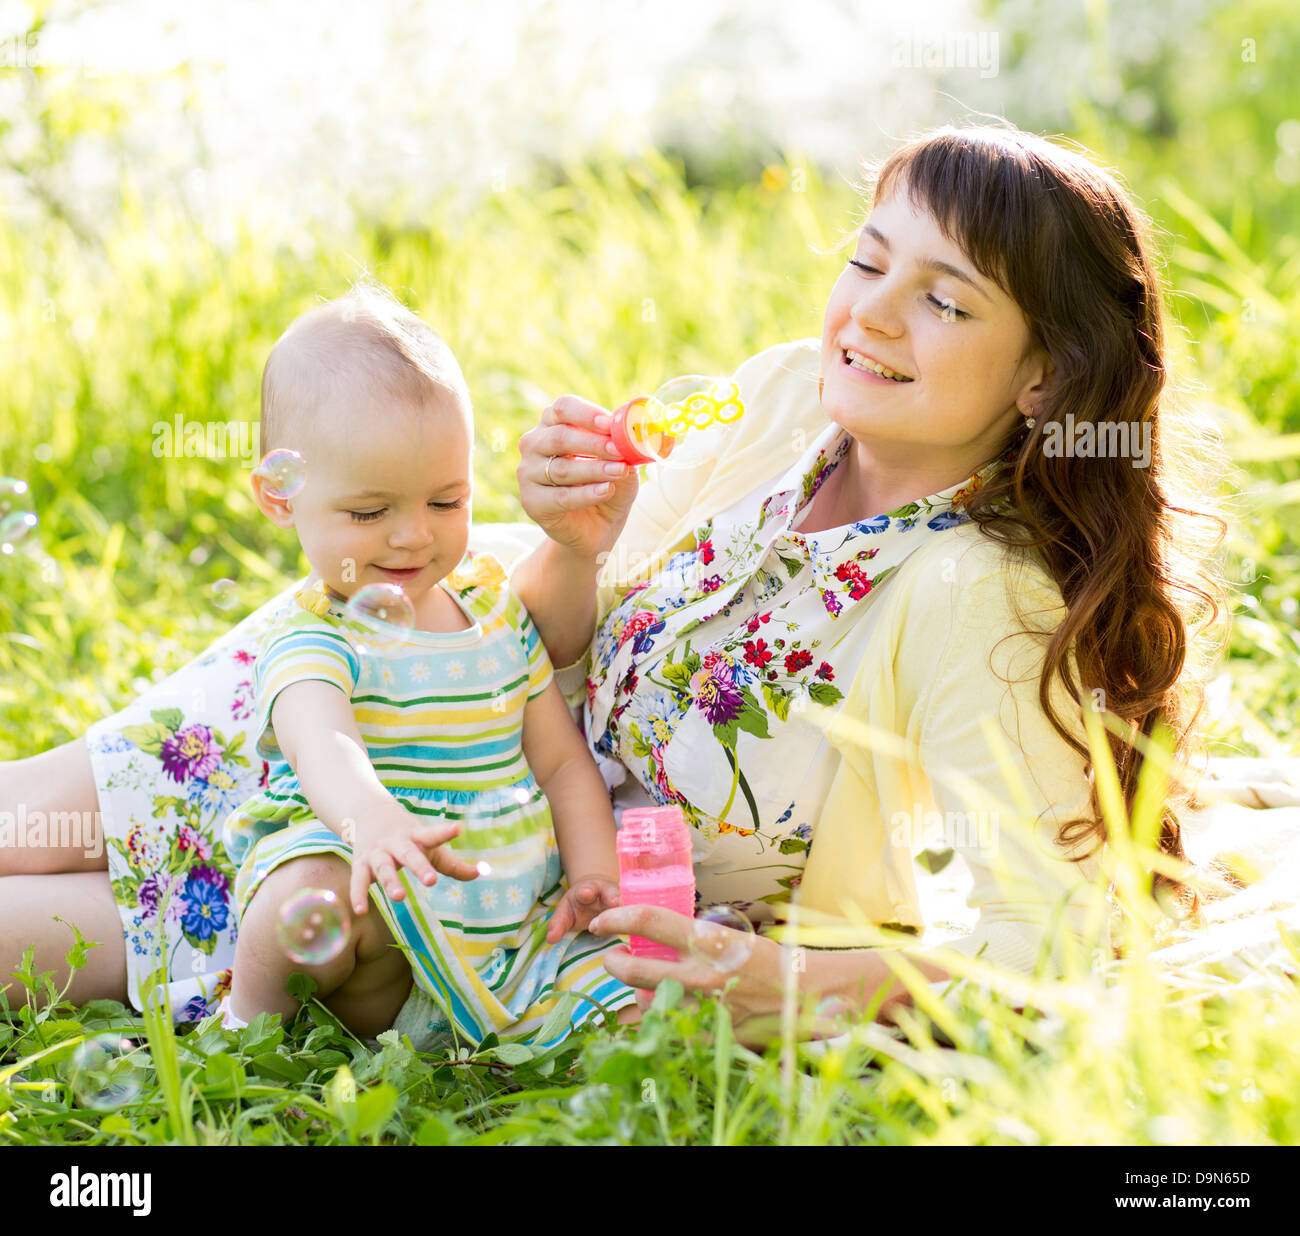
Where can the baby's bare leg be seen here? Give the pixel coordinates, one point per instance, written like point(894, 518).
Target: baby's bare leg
point(56, 788)
point(27, 907)
point(364, 986)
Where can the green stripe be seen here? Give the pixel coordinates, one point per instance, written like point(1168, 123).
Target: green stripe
point(410, 701)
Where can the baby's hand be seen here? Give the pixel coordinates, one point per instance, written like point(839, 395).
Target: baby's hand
point(400, 839)
point(584, 899)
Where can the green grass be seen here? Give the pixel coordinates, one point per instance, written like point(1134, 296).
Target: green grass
point(601, 283)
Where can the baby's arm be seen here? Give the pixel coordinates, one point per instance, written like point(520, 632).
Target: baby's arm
point(584, 821)
point(317, 733)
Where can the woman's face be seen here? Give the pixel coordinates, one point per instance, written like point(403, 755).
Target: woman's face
point(956, 343)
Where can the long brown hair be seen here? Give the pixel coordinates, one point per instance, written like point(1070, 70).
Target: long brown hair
point(1063, 239)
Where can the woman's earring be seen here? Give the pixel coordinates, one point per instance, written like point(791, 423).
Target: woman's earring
point(1029, 421)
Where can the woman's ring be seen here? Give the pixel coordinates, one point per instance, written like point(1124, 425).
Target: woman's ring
point(550, 459)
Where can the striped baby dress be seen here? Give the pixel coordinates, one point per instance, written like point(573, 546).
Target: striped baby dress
point(441, 715)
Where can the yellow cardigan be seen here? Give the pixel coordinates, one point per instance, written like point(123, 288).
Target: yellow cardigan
point(929, 691)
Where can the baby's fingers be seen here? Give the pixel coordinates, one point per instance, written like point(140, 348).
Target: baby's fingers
point(413, 859)
point(358, 889)
point(429, 835)
point(386, 875)
point(450, 865)
point(561, 922)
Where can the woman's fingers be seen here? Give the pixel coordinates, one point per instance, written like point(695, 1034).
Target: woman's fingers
point(651, 971)
point(568, 473)
point(653, 922)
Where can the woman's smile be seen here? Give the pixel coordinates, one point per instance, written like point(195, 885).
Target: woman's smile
point(859, 364)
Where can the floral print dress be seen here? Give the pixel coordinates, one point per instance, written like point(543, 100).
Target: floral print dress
point(698, 677)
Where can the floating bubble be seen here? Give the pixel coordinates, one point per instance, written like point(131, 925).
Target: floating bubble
point(314, 926)
point(386, 610)
point(10, 488)
point(106, 1072)
point(834, 1016)
point(14, 528)
point(591, 1105)
point(225, 594)
point(722, 938)
point(285, 472)
point(483, 867)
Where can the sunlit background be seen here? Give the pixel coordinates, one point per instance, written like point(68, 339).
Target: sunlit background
point(300, 111)
point(582, 196)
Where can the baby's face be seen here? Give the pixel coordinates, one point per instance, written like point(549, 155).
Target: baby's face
point(388, 496)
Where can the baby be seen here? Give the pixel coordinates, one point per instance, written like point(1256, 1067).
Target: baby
point(445, 748)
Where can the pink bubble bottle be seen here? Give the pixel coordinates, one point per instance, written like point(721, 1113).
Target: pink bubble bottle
point(655, 869)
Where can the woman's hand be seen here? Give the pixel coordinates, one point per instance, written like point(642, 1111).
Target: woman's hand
point(754, 1000)
point(585, 503)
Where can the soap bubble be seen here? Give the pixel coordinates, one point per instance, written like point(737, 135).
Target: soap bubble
point(225, 594)
point(722, 938)
point(591, 1105)
point(14, 527)
point(386, 610)
point(106, 1072)
point(834, 1016)
point(285, 472)
point(10, 487)
point(314, 926)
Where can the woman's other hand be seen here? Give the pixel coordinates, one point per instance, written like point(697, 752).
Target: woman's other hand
point(754, 1000)
point(585, 502)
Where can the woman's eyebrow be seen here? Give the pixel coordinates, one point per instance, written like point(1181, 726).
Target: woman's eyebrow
point(943, 268)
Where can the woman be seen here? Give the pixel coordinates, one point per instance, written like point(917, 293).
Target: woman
point(900, 532)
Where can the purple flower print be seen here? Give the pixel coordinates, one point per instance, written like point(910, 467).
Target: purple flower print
point(832, 603)
point(153, 889)
point(210, 875)
point(714, 689)
point(195, 1010)
point(190, 752)
point(712, 584)
point(149, 895)
point(644, 641)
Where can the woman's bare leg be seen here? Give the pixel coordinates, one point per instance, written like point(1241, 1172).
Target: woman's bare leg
point(49, 814)
point(28, 904)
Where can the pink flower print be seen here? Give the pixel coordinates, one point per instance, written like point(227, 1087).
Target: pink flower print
point(188, 839)
point(635, 625)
